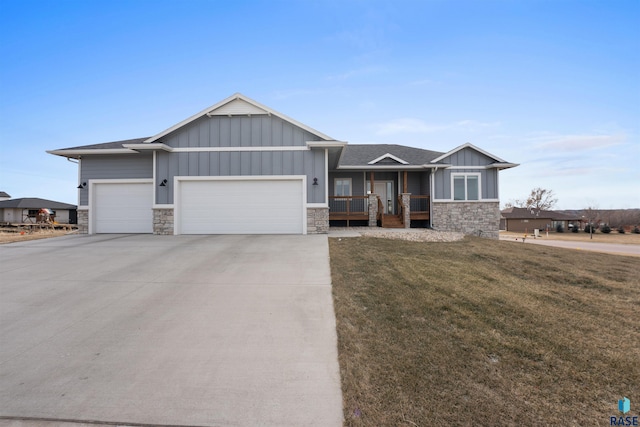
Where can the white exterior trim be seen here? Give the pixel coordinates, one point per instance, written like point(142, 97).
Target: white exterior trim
point(326, 144)
point(317, 205)
point(91, 186)
point(210, 111)
point(82, 208)
point(178, 179)
point(465, 175)
point(77, 153)
point(154, 146)
point(326, 176)
point(388, 156)
point(468, 145)
point(167, 206)
point(225, 149)
point(464, 201)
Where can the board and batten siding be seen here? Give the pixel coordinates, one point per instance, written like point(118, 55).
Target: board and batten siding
point(254, 131)
point(114, 166)
point(467, 157)
point(253, 163)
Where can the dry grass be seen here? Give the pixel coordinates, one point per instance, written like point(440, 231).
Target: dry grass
point(483, 332)
point(12, 237)
point(598, 237)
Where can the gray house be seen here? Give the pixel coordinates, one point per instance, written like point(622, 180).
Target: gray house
point(239, 167)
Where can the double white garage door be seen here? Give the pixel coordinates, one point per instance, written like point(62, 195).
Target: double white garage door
point(234, 206)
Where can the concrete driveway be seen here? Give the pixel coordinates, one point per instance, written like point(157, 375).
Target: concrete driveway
point(180, 330)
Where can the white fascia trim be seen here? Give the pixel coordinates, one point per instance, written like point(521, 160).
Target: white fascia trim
point(162, 206)
point(469, 167)
point(76, 153)
point(153, 146)
point(379, 167)
point(317, 205)
point(464, 201)
point(83, 208)
point(240, 149)
point(388, 156)
point(468, 145)
point(226, 101)
point(178, 179)
point(326, 144)
point(503, 165)
point(326, 175)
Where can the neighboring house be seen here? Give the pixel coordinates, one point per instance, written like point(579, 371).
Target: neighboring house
point(25, 210)
point(239, 167)
point(4, 196)
point(523, 220)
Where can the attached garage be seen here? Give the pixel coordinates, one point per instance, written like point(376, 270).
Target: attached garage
point(248, 205)
point(122, 207)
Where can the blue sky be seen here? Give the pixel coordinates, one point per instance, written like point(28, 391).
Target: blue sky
point(552, 85)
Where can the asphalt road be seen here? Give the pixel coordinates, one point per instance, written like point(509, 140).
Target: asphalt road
point(611, 248)
point(180, 330)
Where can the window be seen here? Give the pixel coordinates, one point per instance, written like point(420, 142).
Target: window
point(466, 186)
point(342, 187)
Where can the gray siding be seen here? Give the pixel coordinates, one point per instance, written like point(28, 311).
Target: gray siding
point(235, 131)
point(467, 157)
point(115, 166)
point(418, 183)
point(357, 182)
point(255, 163)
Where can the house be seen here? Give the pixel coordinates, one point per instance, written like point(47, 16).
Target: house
point(27, 210)
point(4, 196)
point(523, 220)
point(240, 167)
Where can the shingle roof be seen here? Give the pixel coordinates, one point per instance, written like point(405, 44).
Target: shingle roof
point(34, 203)
point(361, 155)
point(106, 145)
point(3, 194)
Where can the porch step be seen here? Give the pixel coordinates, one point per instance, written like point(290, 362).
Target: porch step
point(392, 221)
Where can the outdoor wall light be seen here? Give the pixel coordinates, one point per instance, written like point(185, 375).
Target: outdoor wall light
point(81, 186)
point(163, 183)
point(315, 181)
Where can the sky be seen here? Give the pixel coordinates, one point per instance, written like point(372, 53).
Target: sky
point(551, 85)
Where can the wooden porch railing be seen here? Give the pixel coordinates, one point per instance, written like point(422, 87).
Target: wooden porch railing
point(349, 208)
point(419, 206)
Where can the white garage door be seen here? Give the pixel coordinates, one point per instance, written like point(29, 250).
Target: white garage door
point(241, 207)
point(123, 208)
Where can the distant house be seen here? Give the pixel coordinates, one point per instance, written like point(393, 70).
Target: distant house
point(26, 210)
point(240, 167)
point(4, 196)
point(521, 220)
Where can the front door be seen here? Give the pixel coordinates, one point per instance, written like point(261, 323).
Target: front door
point(384, 190)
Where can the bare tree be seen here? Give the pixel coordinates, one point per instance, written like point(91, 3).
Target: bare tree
point(539, 199)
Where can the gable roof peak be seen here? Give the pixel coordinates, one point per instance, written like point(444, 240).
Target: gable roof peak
point(237, 104)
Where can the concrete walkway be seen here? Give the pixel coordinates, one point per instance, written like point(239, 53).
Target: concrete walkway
point(158, 330)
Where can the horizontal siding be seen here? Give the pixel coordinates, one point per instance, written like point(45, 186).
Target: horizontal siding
point(115, 166)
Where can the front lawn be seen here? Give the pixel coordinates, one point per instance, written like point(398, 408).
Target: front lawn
point(482, 332)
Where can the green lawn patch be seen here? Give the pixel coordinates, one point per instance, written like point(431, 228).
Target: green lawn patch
point(483, 332)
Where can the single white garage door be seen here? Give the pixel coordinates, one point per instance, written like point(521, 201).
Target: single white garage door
point(241, 207)
point(123, 208)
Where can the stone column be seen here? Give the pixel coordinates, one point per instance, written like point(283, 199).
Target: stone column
point(163, 221)
point(406, 209)
point(83, 221)
point(373, 210)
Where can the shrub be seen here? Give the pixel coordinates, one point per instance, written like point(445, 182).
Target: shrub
point(559, 228)
point(621, 230)
point(605, 229)
point(589, 228)
point(575, 229)
point(636, 230)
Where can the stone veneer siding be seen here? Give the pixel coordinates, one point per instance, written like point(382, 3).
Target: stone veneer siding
point(406, 210)
point(163, 221)
point(317, 220)
point(373, 210)
point(83, 221)
point(477, 218)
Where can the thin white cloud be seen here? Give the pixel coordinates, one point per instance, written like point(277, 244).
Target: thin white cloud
point(357, 72)
point(578, 142)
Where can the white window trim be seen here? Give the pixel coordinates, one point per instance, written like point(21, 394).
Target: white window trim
point(341, 179)
point(465, 175)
